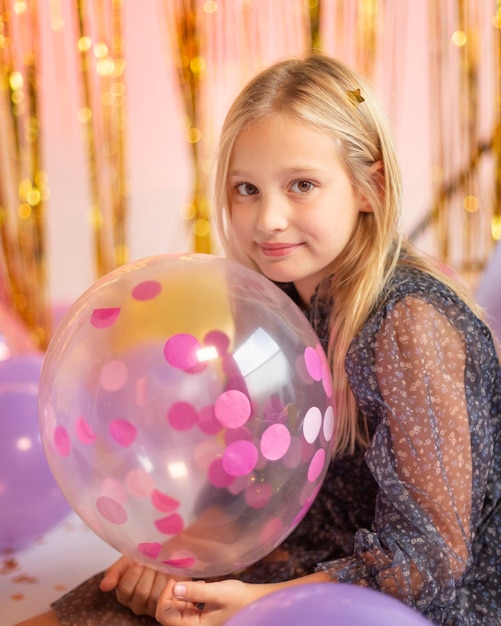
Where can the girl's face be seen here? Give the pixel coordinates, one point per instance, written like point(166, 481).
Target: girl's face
point(292, 207)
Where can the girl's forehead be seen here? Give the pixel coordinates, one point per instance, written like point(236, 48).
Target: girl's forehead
point(281, 126)
point(278, 126)
point(280, 146)
point(279, 119)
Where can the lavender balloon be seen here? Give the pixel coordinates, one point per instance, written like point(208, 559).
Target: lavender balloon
point(326, 604)
point(30, 500)
point(489, 291)
point(185, 410)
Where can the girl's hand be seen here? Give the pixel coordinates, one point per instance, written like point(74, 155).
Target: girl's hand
point(207, 604)
point(136, 586)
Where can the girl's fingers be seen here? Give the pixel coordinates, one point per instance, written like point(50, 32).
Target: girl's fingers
point(208, 595)
point(135, 585)
point(114, 573)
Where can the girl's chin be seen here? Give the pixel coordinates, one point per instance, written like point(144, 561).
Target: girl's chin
point(277, 272)
point(279, 277)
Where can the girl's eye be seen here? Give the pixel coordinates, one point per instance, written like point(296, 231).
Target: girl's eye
point(246, 189)
point(302, 186)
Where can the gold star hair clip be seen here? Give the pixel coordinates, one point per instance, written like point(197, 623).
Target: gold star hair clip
point(355, 96)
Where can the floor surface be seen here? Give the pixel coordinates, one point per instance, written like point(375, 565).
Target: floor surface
point(53, 564)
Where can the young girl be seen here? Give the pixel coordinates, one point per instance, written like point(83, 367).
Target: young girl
point(308, 193)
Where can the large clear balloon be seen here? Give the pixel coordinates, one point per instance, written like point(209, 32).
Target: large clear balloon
point(30, 500)
point(328, 604)
point(185, 409)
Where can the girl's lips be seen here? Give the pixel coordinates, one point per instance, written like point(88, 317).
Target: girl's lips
point(278, 249)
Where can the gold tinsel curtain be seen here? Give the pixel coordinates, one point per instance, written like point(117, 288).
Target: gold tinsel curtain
point(217, 46)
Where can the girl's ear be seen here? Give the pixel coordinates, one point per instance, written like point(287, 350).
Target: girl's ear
point(376, 172)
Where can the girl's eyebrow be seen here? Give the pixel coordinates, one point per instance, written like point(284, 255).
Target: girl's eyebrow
point(303, 170)
point(291, 171)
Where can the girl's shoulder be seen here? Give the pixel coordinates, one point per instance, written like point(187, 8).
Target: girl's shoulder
point(412, 282)
point(418, 305)
point(413, 292)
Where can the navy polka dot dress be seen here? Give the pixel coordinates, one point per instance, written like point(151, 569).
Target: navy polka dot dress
point(417, 514)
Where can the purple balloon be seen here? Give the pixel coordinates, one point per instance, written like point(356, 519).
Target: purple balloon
point(488, 292)
point(30, 499)
point(325, 604)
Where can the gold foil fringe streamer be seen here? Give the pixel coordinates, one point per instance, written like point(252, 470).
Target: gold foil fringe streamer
point(183, 18)
point(23, 182)
point(367, 36)
point(315, 17)
point(102, 70)
point(463, 210)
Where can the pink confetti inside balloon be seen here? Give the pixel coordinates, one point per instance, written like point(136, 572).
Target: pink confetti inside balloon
point(185, 413)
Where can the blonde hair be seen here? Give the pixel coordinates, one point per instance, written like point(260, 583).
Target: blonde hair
point(323, 92)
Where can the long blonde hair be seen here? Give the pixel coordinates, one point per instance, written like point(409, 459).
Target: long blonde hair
point(332, 97)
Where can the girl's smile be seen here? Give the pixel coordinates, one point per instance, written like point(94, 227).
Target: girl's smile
point(278, 249)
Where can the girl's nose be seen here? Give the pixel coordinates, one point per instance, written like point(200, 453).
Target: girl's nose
point(272, 214)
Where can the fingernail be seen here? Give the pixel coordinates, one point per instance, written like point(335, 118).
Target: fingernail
point(179, 590)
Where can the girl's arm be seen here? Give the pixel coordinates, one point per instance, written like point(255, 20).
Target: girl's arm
point(421, 456)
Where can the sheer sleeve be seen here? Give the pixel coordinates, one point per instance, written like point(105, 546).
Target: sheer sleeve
point(420, 456)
